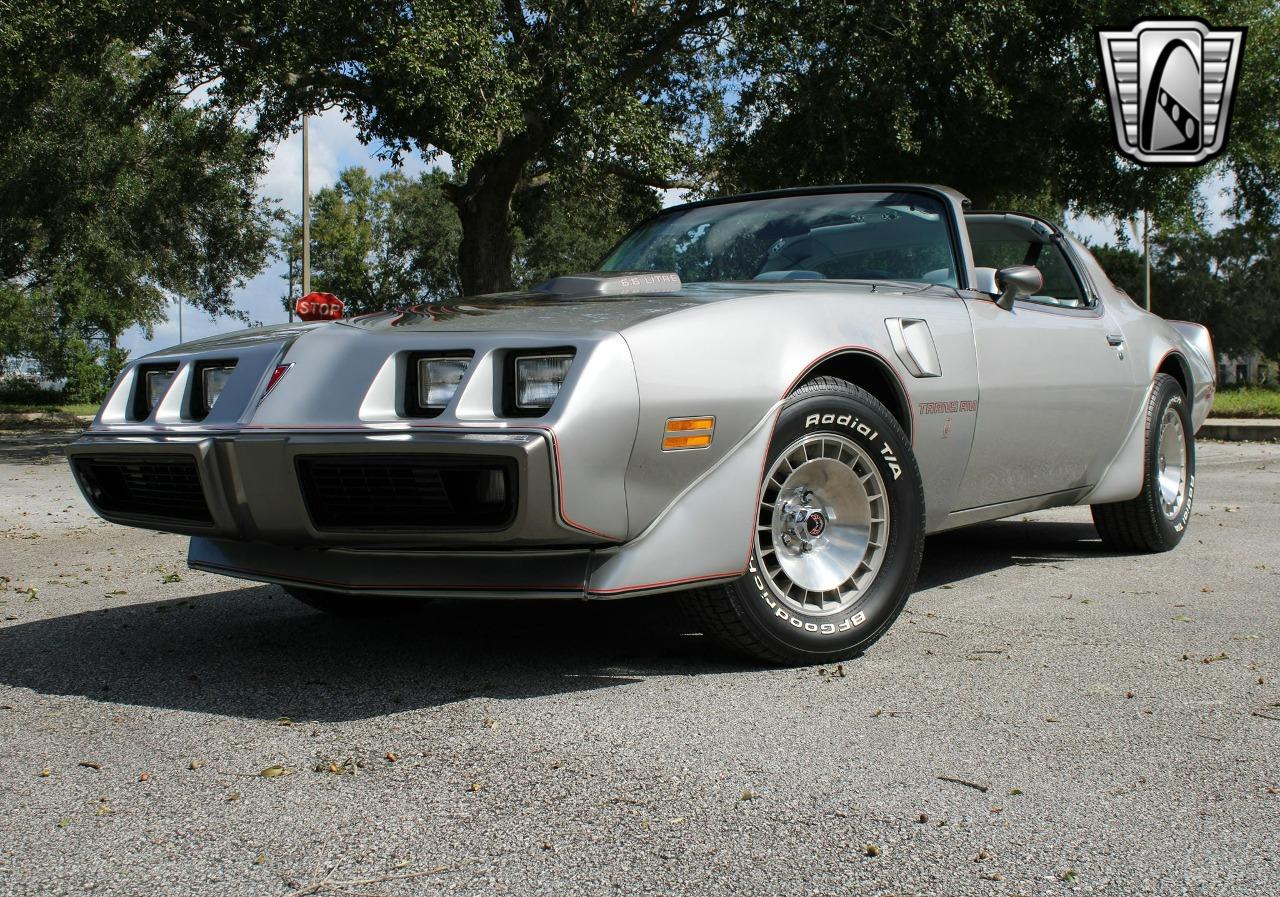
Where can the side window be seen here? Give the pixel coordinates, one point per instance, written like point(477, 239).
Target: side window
point(1060, 288)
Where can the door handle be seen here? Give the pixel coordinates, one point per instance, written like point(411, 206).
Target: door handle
point(1115, 339)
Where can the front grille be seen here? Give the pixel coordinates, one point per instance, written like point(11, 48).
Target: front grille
point(408, 492)
point(158, 487)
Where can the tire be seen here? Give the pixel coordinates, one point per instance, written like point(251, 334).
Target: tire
point(792, 614)
point(337, 604)
point(1156, 520)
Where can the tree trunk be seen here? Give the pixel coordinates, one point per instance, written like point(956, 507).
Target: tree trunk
point(484, 208)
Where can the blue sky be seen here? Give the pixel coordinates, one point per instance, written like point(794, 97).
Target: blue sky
point(333, 147)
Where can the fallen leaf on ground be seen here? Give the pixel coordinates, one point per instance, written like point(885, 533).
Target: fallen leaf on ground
point(195, 764)
point(46, 772)
point(873, 850)
point(90, 764)
point(274, 772)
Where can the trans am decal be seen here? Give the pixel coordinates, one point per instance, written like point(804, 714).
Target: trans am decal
point(948, 407)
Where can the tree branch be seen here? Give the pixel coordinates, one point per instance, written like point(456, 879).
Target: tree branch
point(653, 180)
point(669, 40)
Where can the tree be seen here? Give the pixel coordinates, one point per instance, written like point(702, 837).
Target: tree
point(382, 243)
point(1228, 281)
point(513, 91)
point(111, 211)
point(390, 241)
point(571, 222)
point(1002, 100)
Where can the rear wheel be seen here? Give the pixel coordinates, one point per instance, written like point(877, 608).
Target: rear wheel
point(839, 534)
point(356, 606)
point(1157, 518)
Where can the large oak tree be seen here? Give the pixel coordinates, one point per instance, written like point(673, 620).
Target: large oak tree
point(514, 92)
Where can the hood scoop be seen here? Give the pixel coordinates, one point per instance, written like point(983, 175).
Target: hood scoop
point(612, 283)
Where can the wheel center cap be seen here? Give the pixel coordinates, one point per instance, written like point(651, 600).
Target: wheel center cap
point(815, 523)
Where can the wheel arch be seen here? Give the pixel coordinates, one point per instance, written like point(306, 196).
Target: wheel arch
point(869, 370)
point(1177, 367)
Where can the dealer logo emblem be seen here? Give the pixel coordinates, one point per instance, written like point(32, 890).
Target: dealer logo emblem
point(1171, 84)
point(815, 524)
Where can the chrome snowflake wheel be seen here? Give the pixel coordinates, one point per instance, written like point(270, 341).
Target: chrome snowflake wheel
point(823, 524)
point(1172, 464)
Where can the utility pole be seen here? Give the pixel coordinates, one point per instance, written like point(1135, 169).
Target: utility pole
point(179, 319)
point(1146, 260)
point(306, 216)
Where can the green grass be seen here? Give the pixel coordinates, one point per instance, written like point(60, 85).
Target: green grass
point(1249, 401)
point(46, 408)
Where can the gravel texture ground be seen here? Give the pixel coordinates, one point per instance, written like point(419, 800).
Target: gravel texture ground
point(1046, 719)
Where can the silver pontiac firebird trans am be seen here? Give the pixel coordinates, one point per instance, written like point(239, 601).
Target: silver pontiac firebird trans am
point(763, 402)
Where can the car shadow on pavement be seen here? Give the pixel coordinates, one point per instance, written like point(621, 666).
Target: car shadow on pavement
point(254, 652)
point(986, 548)
point(257, 653)
point(35, 444)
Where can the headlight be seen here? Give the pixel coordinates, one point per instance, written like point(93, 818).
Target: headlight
point(157, 384)
point(539, 379)
point(152, 383)
point(438, 380)
point(213, 377)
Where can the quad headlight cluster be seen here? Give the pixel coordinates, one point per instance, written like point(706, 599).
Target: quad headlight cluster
point(531, 382)
point(154, 380)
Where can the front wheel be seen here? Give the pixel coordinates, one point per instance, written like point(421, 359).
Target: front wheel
point(838, 539)
point(1157, 518)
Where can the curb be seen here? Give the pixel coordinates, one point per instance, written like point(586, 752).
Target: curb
point(1239, 429)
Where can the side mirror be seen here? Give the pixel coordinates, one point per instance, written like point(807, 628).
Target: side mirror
point(1008, 285)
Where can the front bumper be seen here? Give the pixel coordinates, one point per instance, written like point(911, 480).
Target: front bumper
point(474, 574)
point(252, 486)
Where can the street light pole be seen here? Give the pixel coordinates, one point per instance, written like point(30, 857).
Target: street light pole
point(306, 213)
point(1146, 261)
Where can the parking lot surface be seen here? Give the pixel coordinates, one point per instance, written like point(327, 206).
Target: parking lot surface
point(1047, 718)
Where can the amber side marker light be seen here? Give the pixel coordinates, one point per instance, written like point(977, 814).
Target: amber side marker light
point(688, 433)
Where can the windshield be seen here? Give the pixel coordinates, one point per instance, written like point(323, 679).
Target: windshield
point(850, 236)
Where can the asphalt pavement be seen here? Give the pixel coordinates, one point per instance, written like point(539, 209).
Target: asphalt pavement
point(1047, 718)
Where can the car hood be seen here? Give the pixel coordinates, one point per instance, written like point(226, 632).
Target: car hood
point(539, 311)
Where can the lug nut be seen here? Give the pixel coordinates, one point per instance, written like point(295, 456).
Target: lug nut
point(786, 539)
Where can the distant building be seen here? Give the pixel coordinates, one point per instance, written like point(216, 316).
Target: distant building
point(1241, 370)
